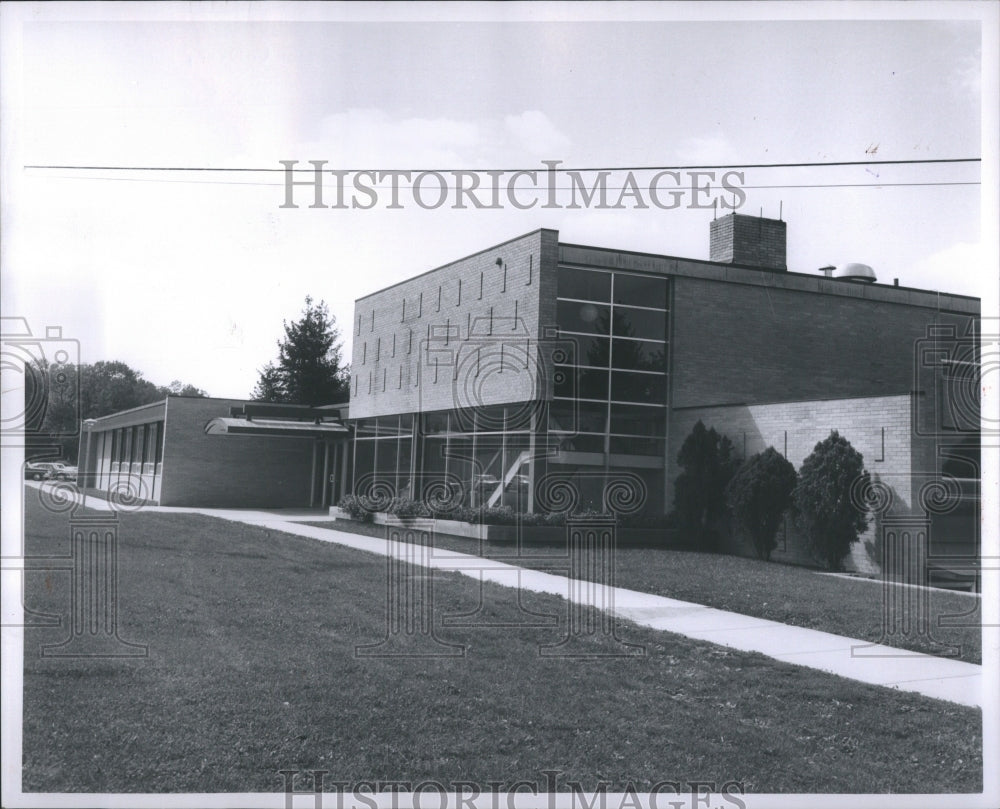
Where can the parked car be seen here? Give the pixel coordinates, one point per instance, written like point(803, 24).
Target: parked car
point(36, 471)
point(58, 470)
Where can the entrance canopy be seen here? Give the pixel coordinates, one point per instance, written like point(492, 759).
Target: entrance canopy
point(279, 420)
point(276, 427)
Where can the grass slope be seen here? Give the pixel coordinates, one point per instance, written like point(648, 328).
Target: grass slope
point(252, 670)
point(777, 592)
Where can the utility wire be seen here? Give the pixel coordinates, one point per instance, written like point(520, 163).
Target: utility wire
point(533, 168)
point(545, 188)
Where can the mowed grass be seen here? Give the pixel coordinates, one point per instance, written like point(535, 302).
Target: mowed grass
point(252, 669)
point(784, 593)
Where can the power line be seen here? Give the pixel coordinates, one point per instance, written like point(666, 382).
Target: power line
point(557, 188)
point(815, 164)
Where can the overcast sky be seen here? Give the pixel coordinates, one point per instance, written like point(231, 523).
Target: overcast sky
point(189, 275)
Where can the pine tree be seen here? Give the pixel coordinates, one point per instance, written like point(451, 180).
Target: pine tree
point(758, 496)
point(709, 462)
point(825, 509)
point(308, 369)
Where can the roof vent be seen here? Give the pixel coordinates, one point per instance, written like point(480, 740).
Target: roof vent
point(859, 273)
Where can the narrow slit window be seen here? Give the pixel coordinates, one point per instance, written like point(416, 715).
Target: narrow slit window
point(459, 292)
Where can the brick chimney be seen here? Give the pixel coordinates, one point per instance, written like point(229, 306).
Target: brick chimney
point(749, 240)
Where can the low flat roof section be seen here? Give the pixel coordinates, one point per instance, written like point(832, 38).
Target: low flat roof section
point(280, 428)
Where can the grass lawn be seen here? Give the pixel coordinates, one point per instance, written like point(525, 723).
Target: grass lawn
point(252, 669)
point(777, 592)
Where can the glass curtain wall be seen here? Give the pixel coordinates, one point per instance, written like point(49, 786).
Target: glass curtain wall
point(612, 396)
point(480, 454)
point(130, 456)
point(382, 450)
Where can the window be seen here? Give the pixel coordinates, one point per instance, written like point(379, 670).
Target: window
point(628, 445)
point(583, 350)
point(639, 290)
point(636, 387)
point(639, 355)
point(638, 420)
point(643, 323)
point(583, 417)
point(435, 423)
point(584, 285)
point(588, 318)
point(586, 383)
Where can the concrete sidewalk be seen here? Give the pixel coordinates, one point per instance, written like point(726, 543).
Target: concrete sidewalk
point(937, 677)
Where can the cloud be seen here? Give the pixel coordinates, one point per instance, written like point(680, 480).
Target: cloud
point(371, 138)
point(374, 138)
point(533, 132)
point(960, 268)
point(706, 150)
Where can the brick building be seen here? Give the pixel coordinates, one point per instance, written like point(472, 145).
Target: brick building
point(229, 453)
point(538, 374)
point(536, 363)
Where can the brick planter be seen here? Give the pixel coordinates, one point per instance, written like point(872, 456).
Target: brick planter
point(530, 534)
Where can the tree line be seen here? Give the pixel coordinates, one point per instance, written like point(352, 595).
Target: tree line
point(59, 399)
